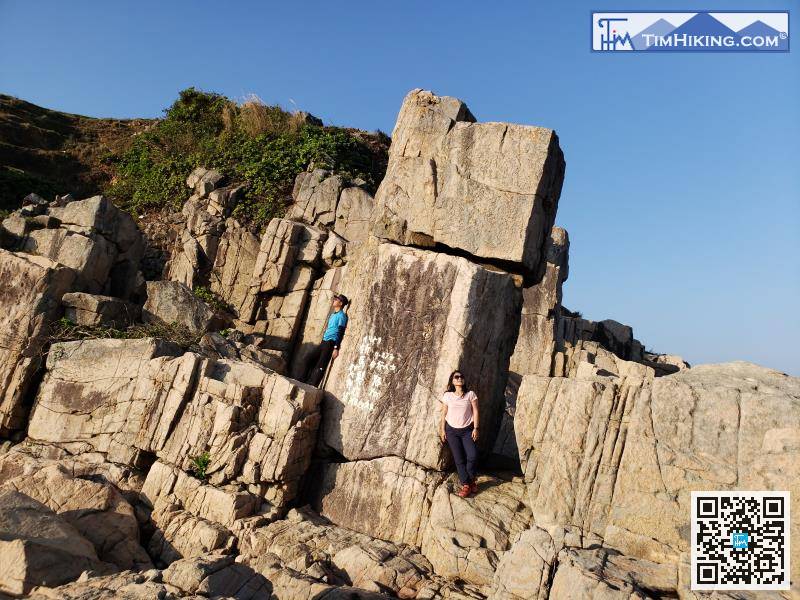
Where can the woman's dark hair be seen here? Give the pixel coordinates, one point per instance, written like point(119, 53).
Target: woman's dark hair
point(451, 387)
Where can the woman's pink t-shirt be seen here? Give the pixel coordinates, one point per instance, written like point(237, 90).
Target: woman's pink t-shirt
point(459, 409)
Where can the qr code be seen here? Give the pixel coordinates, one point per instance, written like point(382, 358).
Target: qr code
point(740, 540)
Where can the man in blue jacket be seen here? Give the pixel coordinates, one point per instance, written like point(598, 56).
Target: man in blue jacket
point(331, 340)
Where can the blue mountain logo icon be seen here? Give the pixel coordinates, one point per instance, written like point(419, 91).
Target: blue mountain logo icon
point(660, 28)
point(759, 28)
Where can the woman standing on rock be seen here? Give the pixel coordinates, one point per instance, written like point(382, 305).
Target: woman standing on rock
point(459, 427)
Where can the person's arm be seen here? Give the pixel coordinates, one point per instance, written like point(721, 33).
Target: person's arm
point(476, 418)
point(441, 421)
point(341, 326)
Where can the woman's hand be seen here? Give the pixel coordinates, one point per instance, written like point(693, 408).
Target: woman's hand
point(475, 434)
point(335, 353)
point(442, 436)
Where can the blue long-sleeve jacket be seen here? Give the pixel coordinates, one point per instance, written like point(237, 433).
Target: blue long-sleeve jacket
point(334, 331)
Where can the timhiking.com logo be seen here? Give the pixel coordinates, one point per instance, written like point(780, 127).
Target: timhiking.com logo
point(706, 31)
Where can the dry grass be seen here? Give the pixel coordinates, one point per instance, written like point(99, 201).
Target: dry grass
point(254, 117)
point(65, 330)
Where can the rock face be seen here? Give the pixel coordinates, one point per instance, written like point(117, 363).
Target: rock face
point(571, 434)
point(388, 498)
point(316, 195)
point(728, 426)
point(37, 547)
point(108, 396)
point(96, 510)
point(26, 309)
point(93, 237)
point(233, 266)
point(618, 458)
point(172, 302)
point(415, 317)
point(132, 400)
point(93, 309)
point(465, 538)
point(541, 306)
point(319, 308)
point(281, 282)
point(440, 161)
point(197, 246)
point(132, 468)
point(538, 341)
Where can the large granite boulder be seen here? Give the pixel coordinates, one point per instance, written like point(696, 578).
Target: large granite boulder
point(711, 427)
point(489, 189)
point(465, 538)
point(95, 309)
point(30, 298)
point(96, 510)
point(571, 434)
point(617, 457)
point(96, 239)
point(415, 316)
point(114, 397)
point(316, 195)
point(38, 547)
point(387, 498)
point(173, 302)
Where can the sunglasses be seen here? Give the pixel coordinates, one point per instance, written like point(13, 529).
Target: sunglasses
point(461, 377)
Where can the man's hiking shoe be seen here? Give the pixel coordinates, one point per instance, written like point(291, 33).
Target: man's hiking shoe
point(465, 490)
point(473, 488)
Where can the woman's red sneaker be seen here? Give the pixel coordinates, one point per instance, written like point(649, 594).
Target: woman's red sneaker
point(465, 490)
point(473, 488)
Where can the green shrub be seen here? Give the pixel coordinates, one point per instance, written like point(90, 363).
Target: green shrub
point(260, 147)
point(210, 298)
point(199, 465)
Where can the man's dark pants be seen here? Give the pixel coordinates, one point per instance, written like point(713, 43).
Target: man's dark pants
point(323, 357)
point(465, 452)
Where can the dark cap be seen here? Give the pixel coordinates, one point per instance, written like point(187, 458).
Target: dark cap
point(342, 298)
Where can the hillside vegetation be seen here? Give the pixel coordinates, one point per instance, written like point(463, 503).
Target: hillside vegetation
point(50, 152)
point(143, 164)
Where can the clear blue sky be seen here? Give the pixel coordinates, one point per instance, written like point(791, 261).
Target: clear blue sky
point(682, 194)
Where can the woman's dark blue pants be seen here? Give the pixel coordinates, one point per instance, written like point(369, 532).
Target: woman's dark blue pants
point(465, 452)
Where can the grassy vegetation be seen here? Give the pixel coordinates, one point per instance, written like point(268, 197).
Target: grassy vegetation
point(199, 466)
point(65, 330)
point(15, 184)
point(262, 147)
point(50, 152)
point(210, 298)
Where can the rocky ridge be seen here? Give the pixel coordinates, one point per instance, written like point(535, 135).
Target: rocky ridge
point(135, 467)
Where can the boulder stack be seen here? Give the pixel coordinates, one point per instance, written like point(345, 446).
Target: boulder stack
point(134, 466)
